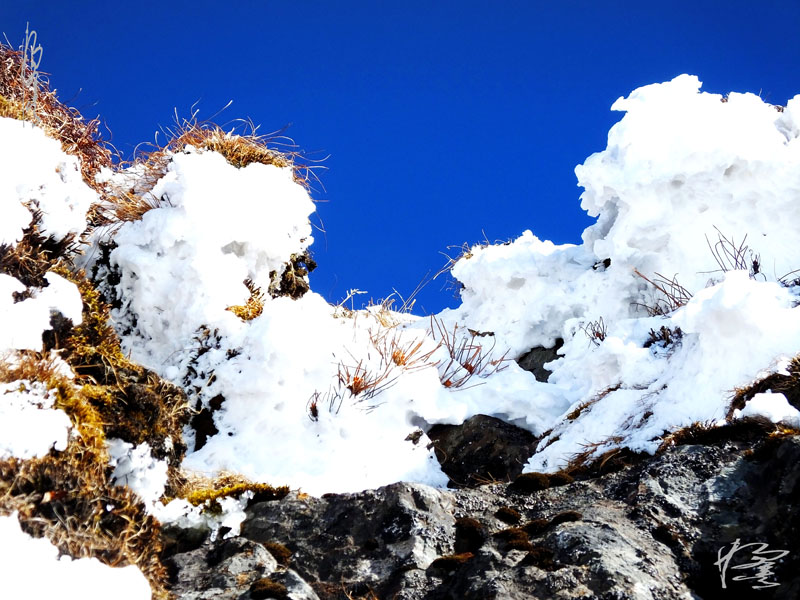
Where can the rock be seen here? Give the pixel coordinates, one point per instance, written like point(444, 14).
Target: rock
point(655, 528)
point(231, 570)
point(535, 358)
point(481, 450)
point(358, 542)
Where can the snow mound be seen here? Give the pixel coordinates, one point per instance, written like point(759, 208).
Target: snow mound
point(679, 293)
point(32, 568)
point(675, 297)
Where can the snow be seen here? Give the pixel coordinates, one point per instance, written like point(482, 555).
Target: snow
point(32, 568)
point(684, 173)
point(135, 467)
point(328, 400)
point(229, 513)
point(29, 425)
point(35, 172)
point(773, 406)
point(22, 323)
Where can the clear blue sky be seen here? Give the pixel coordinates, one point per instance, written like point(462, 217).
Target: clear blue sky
point(442, 120)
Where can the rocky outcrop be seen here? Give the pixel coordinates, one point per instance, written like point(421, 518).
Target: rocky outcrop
point(481, 450)
point(628, 527)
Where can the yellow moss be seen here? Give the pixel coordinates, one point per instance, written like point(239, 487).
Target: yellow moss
point(254, 305)
point(262, 492)
point(93, 347)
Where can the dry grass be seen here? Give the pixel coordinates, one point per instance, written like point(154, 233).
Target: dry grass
point(731, 256)
point(467, 357)
point(596, 331)
point(77, 137)
point(787, 383)
point(672, 295)
point(364, 384)
point(130, 198)
point(407, 355)
point(67, 496)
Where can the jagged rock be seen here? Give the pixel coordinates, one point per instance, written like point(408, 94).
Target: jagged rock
point(535, 358)
point(482, 449)
point(370, 540)
point(649, 530)
point(230, 570)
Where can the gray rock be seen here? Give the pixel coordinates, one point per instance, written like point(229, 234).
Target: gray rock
point(649, 530)
point(535, 359)
point(481, 449)
point(357, 541)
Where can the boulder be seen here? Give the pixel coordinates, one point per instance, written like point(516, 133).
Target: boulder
point(706, 519)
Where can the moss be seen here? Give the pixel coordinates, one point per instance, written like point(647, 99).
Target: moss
point(539, 526)
point(267, 588)
point(749, 430)
point(451, 562)
point(560, 478)
point(536, 526)
point(470, 535)
point(567, 516)
point(11, 109)
point(93, 348)
point(541, 557)
point(254, 305)
point(508, 515)
point(279, 552)
point(528, 483)
point(133, 404)
point(210, 495)
point(514, 538)
point(586, 465)
point(67, 497)
point(60, 122)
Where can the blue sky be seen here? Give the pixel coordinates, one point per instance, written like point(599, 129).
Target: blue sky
point(443, 122)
